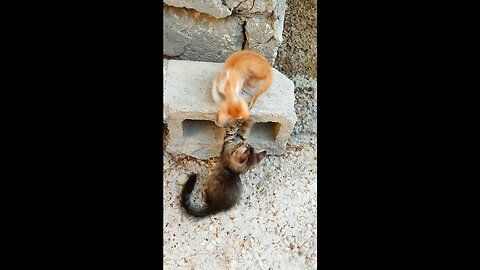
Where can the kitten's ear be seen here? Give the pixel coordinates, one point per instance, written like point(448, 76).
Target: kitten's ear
point(261, 155)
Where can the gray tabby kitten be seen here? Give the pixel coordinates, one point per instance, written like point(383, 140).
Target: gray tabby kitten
point(224, 186)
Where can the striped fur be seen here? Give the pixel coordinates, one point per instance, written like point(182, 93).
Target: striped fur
point(224, 187)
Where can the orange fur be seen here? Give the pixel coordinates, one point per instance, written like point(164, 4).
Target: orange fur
point(241, 68)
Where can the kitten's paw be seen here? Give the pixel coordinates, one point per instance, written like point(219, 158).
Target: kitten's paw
point(224, 125)
point(220, 124)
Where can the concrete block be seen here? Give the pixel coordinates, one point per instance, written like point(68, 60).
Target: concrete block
point(191, 111)
point(165, 63)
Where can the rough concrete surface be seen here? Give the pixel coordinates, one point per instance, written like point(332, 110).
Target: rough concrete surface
point(253, 6)
point(191, 35)
point(214, 8)
point(187, 97)
point(274, 226)
point(223, 8)
point(213, 29)
point(261, 37)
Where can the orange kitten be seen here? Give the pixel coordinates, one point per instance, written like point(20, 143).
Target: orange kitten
point(243, 68)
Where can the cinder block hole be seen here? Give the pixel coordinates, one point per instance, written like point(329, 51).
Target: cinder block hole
point(267, 131)
point(202, 130)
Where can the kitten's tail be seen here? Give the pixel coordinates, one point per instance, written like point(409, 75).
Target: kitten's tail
point(186, 192)
point(267, 82)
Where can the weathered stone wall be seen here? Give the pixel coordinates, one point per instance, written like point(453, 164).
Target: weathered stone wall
point(211, 30)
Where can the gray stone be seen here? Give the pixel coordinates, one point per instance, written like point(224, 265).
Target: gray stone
point(214, 8)
point(240, 6)
point(279, 15)
point(191, 111)
point(252, 6)
point(223, 8)
point(261, 37)
point(188, 34)
point(264, 34)
point(191, 34)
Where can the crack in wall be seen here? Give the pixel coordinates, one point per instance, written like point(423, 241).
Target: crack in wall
point(184, 50)
point(238, 6)
point(225, 4)
point(234, 11)
point(244, 31)
point(252, 15)
point(268, 41)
